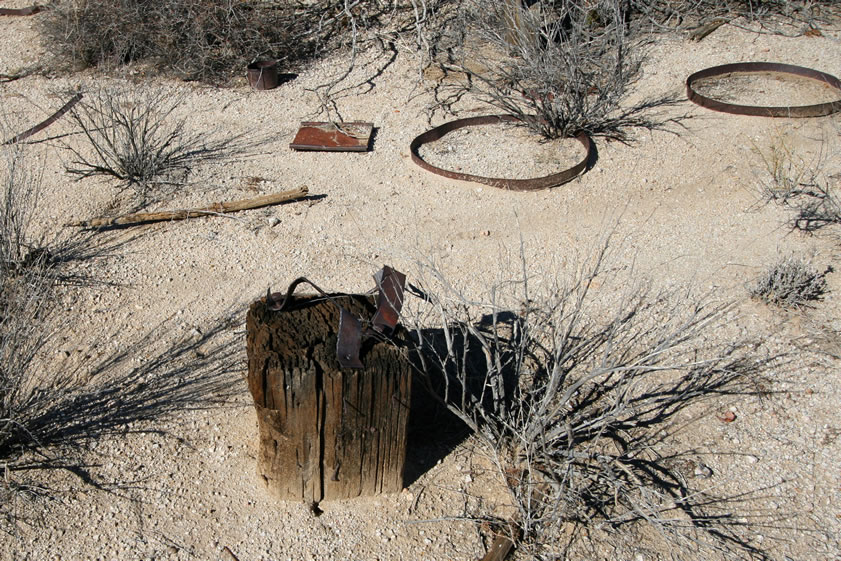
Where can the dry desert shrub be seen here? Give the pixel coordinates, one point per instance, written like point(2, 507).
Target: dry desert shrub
point(576, 386)
point(807, 187)
point(51, 407)
point(27, 277)
point(561, 68)
point(136, 137)
point(790, 283)
point(195, 39)
point(774, 15)
point(211, 40)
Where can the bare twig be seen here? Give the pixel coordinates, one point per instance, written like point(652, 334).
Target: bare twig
point(701, 32)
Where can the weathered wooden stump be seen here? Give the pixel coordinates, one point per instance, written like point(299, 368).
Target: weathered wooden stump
point(325, 432)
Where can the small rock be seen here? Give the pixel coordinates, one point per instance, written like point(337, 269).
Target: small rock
point(703, 471)
point(727, 417)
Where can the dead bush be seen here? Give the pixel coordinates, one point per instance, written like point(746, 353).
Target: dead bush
point(790, 283)
point(136, 138)
point(559, 67)
point(26, 282)
point(50, 408)
point(34, 266)
point(210, 40)
point(804, 186)
point(576, 392)
point(778, 16)
point(194, 39)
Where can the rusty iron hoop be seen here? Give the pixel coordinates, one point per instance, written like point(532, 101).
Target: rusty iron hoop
point(47, 122)
point(535, 184)
point(817, 110)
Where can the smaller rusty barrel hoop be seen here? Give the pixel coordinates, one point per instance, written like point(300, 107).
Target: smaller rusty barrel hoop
point(817, 110)
point(262, 74)
point(534, 184)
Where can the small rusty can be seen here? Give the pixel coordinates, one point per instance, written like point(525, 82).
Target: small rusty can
point(262, 74)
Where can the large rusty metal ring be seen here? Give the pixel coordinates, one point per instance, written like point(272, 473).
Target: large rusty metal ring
point(513, 184)
point(817, 110)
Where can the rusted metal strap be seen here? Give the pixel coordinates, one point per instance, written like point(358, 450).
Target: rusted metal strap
point(390, 286)
point(49, 121)
point(31, 10)
point(512, 184)
point(817, 110)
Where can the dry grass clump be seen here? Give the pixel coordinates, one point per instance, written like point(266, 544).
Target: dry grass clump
point(209, 40)
point(576, 386)
point(27, 277)
point(561, 67)
point(790, 283)
point(806, 187)
point(677, 14)
point(195, 39)
point(136, 138)
point(51, 407)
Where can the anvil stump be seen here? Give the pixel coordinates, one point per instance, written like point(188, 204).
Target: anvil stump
point(325, 432)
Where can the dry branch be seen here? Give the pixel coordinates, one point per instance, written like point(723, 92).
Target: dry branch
point(499, 550)
point(704, 30)
point(215, 208)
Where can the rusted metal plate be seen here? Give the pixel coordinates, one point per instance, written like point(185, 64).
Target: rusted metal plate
point(390, 285)
point(535, 184)
point(330, 137)
point(349, 340)
point(817, 110)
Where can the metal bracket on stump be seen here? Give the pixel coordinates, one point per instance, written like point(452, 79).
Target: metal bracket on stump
point(390, 288)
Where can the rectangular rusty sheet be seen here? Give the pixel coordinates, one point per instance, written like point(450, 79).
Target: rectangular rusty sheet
point(339, 137)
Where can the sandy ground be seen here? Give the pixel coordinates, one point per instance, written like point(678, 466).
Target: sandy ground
point(685, 210)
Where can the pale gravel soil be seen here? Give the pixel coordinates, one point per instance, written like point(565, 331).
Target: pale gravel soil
point(685, 211)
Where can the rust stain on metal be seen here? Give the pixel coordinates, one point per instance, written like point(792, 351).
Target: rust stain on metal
point(49, 121)
point(816, 110)
point(330, 137)
point(535, 184)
